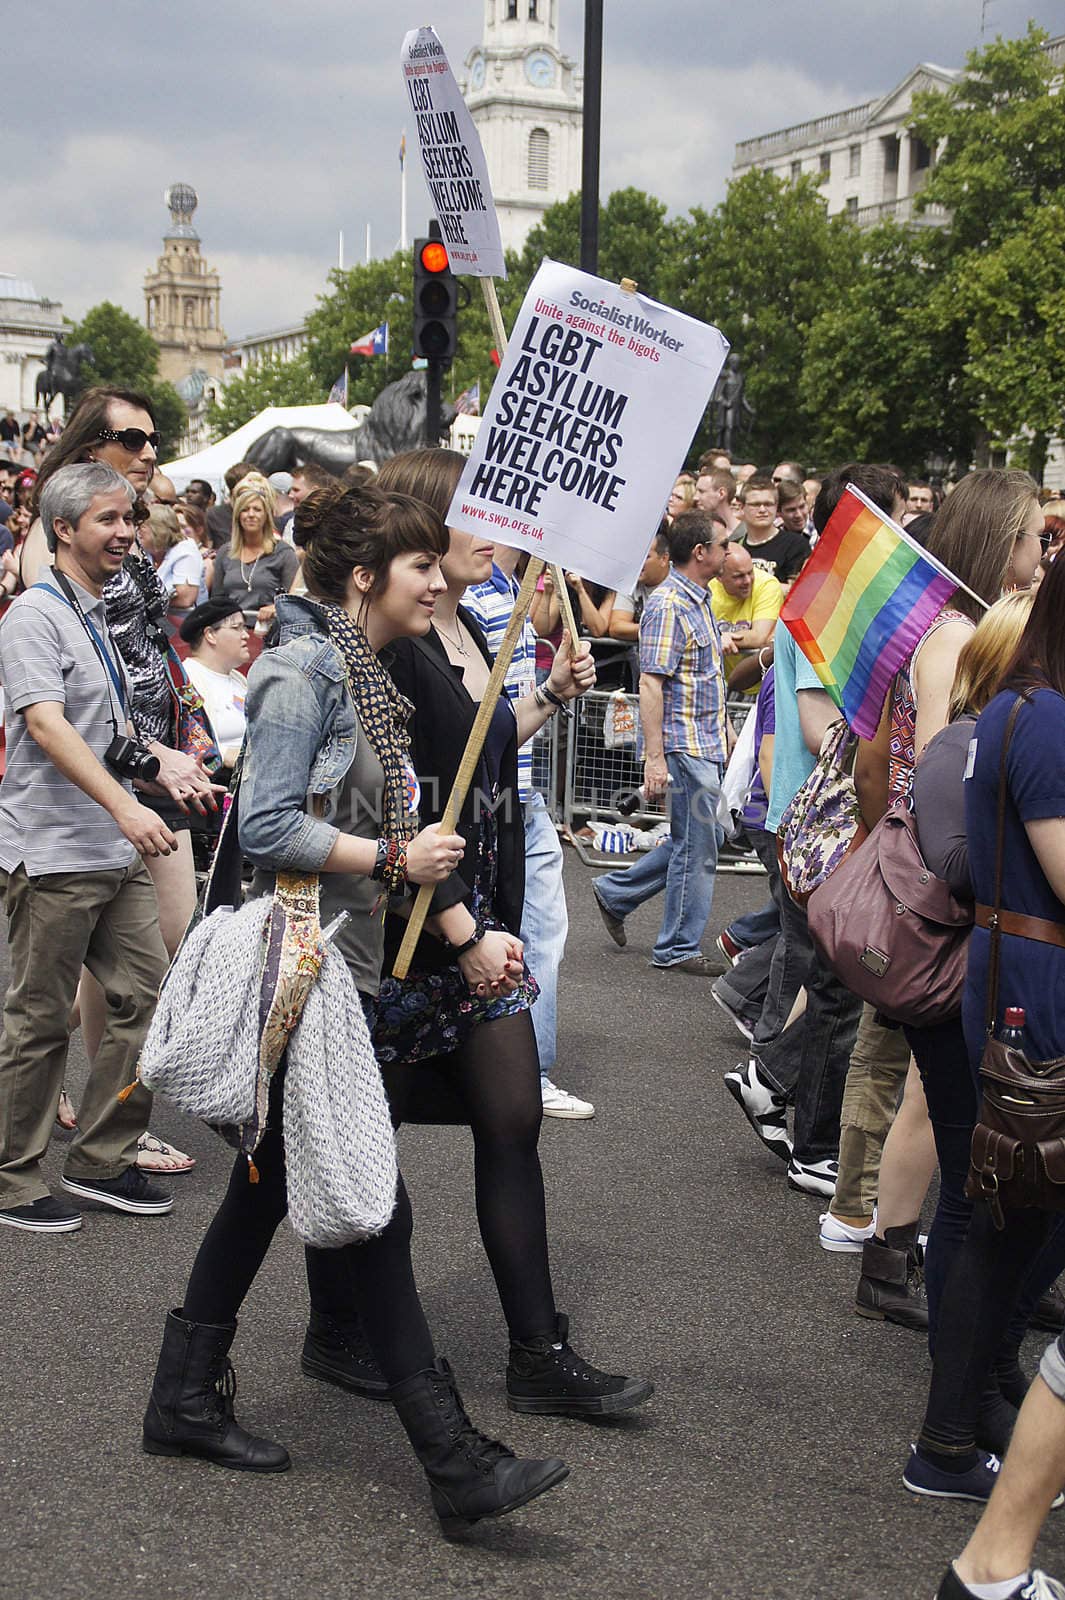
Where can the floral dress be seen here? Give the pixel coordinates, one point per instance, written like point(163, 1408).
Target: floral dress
point(430, 1013)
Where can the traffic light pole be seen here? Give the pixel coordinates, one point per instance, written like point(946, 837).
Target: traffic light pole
point(434, 407)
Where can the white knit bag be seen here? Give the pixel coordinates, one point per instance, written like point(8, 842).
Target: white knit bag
point(340, 1150)
point(202, 1049)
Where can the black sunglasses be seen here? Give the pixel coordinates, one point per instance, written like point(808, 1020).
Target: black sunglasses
point(132, 439)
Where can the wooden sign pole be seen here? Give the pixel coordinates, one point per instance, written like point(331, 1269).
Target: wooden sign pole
point(499, 333)
point(472, 754)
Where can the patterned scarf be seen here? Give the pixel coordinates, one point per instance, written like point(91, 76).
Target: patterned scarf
point(383, 713)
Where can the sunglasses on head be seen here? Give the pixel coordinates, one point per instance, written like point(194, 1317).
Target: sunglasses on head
point(132, 439)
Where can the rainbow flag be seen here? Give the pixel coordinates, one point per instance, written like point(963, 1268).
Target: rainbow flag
point(861, 603)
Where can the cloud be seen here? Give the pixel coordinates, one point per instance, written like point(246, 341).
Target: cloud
point(286, 120)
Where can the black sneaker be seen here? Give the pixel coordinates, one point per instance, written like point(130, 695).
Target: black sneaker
point(46, 1215)
point(548, 1378)
point(133, 1191)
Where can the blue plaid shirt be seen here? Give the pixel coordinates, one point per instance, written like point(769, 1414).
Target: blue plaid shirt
point(679, 643)
point(492, 603)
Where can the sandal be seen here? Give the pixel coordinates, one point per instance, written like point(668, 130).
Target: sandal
point(155, 1155)
point(66, 1117)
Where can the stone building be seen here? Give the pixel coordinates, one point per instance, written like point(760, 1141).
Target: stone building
point(28, 324)
point(181, 298)
point(869, 163)
point(525, 98)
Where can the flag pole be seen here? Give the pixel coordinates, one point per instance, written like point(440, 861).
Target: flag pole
point(558, 578)
point(403, 193)
point(914, 544)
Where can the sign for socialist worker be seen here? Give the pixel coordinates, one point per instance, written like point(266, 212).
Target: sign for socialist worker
point(588, 423)
point(456, 173)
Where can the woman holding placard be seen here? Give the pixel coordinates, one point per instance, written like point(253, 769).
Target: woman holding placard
point(460, 1020)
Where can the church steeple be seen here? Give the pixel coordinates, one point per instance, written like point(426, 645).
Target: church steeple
point(525, 98)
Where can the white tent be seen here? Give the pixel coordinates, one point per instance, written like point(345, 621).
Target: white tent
point(212, 463)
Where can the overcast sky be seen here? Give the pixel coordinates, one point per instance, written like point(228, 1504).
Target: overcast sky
point(286, 120)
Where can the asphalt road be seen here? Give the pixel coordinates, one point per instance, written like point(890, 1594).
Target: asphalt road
point(767, 1464)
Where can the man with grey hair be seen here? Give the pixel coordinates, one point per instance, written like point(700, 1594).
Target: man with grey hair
point(72, 883)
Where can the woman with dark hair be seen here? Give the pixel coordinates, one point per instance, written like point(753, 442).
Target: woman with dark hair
point(461, 1017)
point(117, 426)
point(325, 720)
point(987, 534)
point(982, 1292)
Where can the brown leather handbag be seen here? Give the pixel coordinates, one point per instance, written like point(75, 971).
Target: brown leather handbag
point(1018, 1149)
point(892, 931)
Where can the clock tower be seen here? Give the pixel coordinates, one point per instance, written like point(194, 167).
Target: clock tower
point(525, 98)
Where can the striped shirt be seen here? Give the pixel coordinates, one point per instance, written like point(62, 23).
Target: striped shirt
point(46, 822)
point(492, 603)
point(679, 643)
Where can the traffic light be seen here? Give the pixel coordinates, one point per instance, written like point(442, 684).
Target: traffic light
point(435, 302)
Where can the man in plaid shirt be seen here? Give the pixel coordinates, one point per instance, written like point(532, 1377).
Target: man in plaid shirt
point(682, 712)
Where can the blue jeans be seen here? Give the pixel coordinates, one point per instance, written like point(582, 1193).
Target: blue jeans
point(544, 924)
point(684, 865)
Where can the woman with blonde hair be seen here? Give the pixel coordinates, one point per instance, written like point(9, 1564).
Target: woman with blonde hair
point(681, 496)
point(258, 566)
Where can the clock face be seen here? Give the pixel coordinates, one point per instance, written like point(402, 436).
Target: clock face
point(540, 69)
point(477, 73)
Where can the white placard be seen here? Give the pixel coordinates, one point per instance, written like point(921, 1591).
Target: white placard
point(456, 173)
point(588, 423)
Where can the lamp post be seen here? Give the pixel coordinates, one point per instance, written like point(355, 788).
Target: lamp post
point(593, 103)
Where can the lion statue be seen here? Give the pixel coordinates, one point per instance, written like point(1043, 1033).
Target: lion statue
point(396, 422)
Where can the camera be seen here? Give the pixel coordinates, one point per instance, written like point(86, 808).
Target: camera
point(129, 759)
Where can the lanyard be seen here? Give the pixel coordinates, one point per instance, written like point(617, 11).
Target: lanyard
point(67, 595)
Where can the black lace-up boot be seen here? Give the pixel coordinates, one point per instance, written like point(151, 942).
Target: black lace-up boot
point(470, 1476)
point(547, 1377)
point(190, 1411)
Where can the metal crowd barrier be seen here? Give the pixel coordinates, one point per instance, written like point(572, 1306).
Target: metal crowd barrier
point(586, 774)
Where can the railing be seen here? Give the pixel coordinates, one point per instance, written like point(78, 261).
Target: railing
point(585, 780)
point(902, 210)
point(802, 134)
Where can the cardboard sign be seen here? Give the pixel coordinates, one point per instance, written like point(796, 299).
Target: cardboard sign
point(587, 425)
point(456, 173)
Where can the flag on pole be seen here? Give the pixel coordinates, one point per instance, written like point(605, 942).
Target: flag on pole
point(861, 603)
point(338, 394)
point(468, 403)
point(402, 149)
point(374, 343)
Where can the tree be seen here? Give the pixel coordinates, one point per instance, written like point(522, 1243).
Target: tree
point(271, 382)
point(124, 353)
point(1001, 172)
point(762, 266)
point(635, 240)
point(879, 381)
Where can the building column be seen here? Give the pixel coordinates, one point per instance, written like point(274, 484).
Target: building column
point(905, 160)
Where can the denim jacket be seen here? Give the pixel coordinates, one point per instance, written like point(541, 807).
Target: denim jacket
point(299, 745)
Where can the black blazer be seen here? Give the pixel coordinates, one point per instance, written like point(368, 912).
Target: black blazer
point(444, 713)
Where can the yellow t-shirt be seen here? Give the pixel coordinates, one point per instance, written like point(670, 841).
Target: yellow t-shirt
point(737, 616)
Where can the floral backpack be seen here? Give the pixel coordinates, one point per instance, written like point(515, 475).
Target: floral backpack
point(823, 823)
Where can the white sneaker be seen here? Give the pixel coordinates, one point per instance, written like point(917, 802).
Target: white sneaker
point(813, 1177)
point(840, 1237)
point(558, 1103)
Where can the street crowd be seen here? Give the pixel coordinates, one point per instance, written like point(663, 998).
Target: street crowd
point(285, 679)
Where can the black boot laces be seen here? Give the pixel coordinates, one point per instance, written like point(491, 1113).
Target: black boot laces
point(219, 1398)
point(484, 1451)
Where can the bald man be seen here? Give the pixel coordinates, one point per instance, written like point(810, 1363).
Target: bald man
point(162, 490)
point(746, 602)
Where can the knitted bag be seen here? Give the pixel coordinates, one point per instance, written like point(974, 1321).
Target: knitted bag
point(340, 1150)
point(202, 1048)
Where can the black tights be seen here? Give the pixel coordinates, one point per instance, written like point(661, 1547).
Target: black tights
point(497, 1073)
point(374, 1278)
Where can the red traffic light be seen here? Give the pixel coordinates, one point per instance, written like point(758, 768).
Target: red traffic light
point(433, 256)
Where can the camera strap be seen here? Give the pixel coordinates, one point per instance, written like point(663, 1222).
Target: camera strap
point(66, 593)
